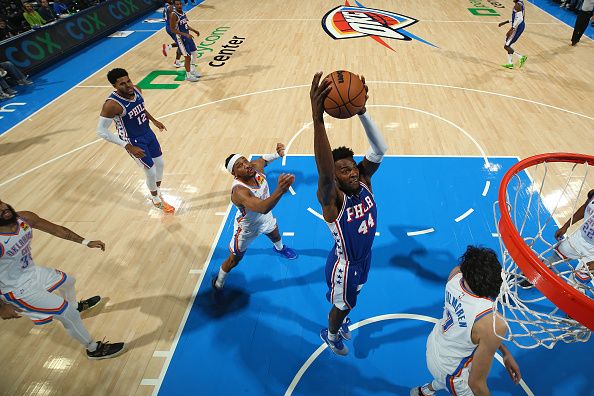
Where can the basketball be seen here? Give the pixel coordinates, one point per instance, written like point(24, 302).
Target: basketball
point(347, 96)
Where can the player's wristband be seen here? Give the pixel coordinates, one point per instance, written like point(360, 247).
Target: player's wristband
point(271, 157)
point(85, 242)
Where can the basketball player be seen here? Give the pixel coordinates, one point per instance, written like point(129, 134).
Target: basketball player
point(167, 10)
point(461, 347)
point(349, 209)
point(126, 106)
point(514, 34)
point(28, 289)
point(579, 245)
point(178, 23)
point(251, 197)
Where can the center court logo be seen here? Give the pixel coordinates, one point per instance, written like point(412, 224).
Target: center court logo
point(345, 22)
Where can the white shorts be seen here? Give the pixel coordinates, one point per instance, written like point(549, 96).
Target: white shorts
point(455, 382)
point(244, 235)
point(35, 298)
point(576, 247)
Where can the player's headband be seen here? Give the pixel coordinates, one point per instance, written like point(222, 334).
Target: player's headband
point(232, 162)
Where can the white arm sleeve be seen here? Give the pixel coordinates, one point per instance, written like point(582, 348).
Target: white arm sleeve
point(376, 140)
point(104, 133)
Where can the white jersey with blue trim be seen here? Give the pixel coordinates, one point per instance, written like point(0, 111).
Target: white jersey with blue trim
point(248, 217)
point(518, 16)
point(450, 344)
point(16, 263)
point(587, 229)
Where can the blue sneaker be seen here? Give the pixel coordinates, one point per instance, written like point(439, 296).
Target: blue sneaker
point(344, 330)
point(286, 252)
point(337, 346)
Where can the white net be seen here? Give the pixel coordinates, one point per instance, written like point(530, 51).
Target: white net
point(539, 200)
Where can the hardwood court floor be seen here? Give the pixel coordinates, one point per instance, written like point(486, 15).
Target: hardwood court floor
point(449, 98)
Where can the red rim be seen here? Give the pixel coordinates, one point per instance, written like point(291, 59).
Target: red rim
point(568, 299)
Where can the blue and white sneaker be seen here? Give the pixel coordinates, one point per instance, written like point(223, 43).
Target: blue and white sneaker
point(344, 330)
point(286, 252)
point(337, 346)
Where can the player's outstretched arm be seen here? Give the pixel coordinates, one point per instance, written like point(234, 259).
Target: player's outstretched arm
point(264, 160)
point(242, 197)
point(577, 216)
point(323, 153)
point(57, 230)
point(377, 143)
point(488, 343)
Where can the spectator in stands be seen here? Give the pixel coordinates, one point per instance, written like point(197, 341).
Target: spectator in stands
point(8, 69)
point(32, 16)
point(60, 8)
point(12, 12)
point(5, 91)
point(6, 31)
point(46, 12)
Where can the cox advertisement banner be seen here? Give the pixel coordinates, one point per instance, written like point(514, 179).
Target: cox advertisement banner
point(38, 48)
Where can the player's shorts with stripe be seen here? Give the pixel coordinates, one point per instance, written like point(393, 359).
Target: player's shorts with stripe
point(456, 382)
point(185, 45)
point(35, 298)
point(245, 234)
point(345, 280)
point(151, 147)
point(516, 35)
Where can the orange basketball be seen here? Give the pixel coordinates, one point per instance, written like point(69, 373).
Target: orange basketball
point(347, 96)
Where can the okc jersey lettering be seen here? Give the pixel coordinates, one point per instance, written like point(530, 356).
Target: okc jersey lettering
point(457, 308)
point(16, 262)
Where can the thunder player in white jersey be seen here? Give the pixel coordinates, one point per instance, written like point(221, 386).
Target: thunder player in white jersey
point(254, 203)
point(461, 347)
point(579, 245)
point(514, 33)
point(27, 290)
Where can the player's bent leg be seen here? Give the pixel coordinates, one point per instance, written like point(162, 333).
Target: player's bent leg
point(218, 281)
point(331, 335)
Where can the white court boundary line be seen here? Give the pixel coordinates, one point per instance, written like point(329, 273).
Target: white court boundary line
point(182, 324)
point(365, 322)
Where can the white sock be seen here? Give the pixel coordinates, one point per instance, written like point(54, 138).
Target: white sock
point(221, 278)
point(156, 199)
point(189, 73)
point(518, 55)
point(510, 58)
point(331, 337)
point(279, 244)
point(169, 47)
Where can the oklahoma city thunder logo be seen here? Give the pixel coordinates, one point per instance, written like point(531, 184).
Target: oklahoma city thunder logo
point(347, 21)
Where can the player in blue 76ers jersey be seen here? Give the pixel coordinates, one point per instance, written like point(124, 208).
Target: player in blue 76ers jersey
point(125, 106)
point(514, 34)
point(178, 24)
point(167, 10)
point(349, 209)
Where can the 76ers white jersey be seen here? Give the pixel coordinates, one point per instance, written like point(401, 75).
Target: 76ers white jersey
point(246, 216)
point(587, 229)
point(450, 345)
point(16, 263)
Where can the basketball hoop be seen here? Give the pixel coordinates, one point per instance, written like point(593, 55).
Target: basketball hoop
point(540, 299)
